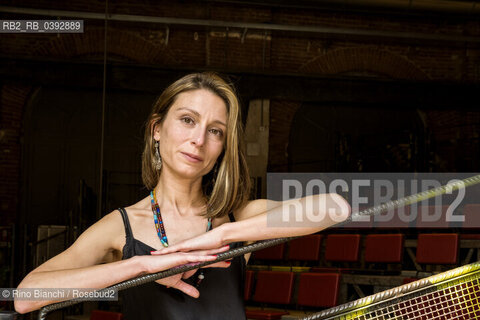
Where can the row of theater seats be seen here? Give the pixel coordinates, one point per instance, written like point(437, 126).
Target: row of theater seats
point(319, 287)
point(439, 248)
point(278, 288)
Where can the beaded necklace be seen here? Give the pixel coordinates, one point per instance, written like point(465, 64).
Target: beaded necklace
point(157, 217)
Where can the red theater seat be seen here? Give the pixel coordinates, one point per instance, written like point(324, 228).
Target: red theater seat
point(386, 248)
point(342, 247)
point(272, 287)
point(306, 248)
point(440, 248)
point(318, 289)
point(105, 315)
point(270, 253)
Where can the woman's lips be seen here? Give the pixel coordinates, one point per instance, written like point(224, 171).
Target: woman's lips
point(191, 157)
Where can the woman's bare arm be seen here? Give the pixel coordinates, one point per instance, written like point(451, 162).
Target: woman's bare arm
point(264, 219)
point(80, 266)
point(287, 219)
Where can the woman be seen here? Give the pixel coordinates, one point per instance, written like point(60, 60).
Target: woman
point(194, 165)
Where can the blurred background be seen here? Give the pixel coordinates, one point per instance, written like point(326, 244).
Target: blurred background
point(325, 86)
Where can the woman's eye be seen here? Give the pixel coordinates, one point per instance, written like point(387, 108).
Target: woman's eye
point(187, 120)
point(216, 132)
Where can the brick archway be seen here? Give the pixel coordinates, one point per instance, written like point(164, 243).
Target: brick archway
point(370, 60)
point(365, 59)
point(124, 44)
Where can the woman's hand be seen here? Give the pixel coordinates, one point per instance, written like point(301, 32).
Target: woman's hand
point(206, 241)
point(164, 261)
point(177, 282)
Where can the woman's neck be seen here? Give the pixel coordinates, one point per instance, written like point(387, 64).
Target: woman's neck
point(181, 195)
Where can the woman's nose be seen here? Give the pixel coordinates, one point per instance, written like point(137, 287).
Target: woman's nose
point(198, 137)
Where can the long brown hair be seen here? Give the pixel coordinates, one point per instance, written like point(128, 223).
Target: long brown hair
point(232, 182)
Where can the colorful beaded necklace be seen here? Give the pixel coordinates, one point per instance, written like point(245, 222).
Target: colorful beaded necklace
point(157, 217)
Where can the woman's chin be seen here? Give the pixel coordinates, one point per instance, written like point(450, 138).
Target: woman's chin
point(189, 173)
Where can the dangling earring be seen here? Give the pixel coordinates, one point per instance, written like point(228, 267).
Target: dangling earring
point(158, 159)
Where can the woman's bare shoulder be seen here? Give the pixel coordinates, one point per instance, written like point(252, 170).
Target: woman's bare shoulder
point(115, 221)
point(140, 210)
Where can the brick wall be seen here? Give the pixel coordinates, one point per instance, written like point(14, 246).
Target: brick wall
point(379, 61)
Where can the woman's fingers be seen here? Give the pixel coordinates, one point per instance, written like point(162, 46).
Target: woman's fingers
point(208, 240)
point(218, 250)
point(157, 252)
point(188, 259)
point(187, 289)
point(210, 251)
point(188, 274)
point(198, 258)
point(170, 249)
point(221, 264)
point(201, 252)
point(156, 264)
point(182, 286)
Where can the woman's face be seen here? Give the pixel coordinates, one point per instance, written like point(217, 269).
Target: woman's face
point(192, 134)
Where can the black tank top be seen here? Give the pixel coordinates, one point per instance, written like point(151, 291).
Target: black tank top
point(221, 291)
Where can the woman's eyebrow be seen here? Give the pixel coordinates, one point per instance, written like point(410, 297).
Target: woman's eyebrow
point(198, 115)
point(190, 110)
